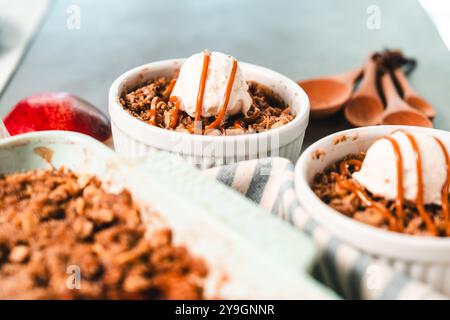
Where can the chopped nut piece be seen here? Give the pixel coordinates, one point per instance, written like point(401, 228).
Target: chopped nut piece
point(83, 228)
point(101, 216)
point(19, 254)
point(136, 283)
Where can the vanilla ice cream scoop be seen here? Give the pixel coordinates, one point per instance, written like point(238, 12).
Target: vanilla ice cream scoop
point(220, 65)
point(378, 173)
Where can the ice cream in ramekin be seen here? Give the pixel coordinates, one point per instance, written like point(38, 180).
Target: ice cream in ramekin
point(401, 238)
point(152, 107)
point(208, 96)
point(400, 184)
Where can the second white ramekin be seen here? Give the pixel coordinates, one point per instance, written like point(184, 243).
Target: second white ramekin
point(423, 258)
point(134, 137)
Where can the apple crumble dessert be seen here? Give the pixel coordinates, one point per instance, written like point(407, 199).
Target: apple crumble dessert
point(210, 96)
point(63, 236)
point(401, 184)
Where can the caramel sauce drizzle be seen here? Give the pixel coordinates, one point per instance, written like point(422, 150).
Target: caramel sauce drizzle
point(176, 101)
point(175, 111)
point(355, 188)
point(399, 199)
point(200, 95)
point(171, 86)
point(226, 97)
point(419, 198)
point(152, 120)
point(445, 187)
point(237, 125)
point(358, 190)
point(201, 88)
point(152, 113)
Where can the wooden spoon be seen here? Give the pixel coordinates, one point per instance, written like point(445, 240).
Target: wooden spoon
point(365, 107)
point(398, 111)
point(411, 97)
point(328, 94)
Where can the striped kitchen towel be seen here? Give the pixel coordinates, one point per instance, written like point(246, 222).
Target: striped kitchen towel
point(352, 274)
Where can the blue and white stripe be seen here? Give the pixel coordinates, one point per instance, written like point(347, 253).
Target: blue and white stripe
point(352, 274)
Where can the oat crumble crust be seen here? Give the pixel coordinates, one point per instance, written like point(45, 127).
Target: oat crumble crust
point(325, 186)
point(52, 219)
point(268, 110)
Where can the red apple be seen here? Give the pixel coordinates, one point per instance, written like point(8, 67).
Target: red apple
point(57, 111)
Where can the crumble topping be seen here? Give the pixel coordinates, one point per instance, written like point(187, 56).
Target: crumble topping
point(326, 187)
point(54, 222)
point(268, 110)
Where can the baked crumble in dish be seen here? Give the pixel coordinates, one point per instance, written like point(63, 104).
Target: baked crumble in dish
point(54, 223)
point(413, 171)
point(220, 102)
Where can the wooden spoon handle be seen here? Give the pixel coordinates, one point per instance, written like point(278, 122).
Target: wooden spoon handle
point(390, 92)
point(411, 97)
point(350, 77)
point(403, 82)
point(368, 85)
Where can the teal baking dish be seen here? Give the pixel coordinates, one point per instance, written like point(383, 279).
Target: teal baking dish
point(250, 254)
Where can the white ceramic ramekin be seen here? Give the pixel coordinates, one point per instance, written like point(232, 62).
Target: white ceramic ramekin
point(423, 258)
point(134, 137)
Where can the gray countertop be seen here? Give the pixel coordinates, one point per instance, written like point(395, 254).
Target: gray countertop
point(298, 38)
